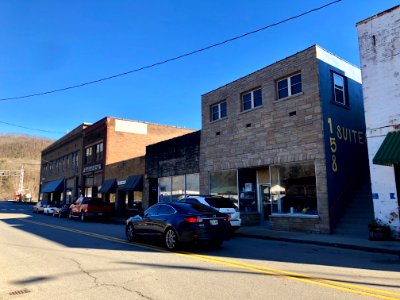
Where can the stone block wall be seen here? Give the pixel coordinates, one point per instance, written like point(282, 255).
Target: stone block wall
point(278, 132)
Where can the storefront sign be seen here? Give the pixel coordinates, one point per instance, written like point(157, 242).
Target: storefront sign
point(92, 168)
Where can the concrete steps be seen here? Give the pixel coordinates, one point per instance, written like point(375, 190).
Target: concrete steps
point(358, 213)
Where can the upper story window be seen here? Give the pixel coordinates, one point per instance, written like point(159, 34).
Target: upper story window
point(76, 162)
point(251, 99)
point(339, 89)
point(218, 111)
point(88, 155)
point(99, 151)
point(289, 86)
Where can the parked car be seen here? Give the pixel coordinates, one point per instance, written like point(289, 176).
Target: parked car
point(49, 209)
point(180, 222)
point(39, 207)
point(86, 207)
point(223, 205)
point(62, 211)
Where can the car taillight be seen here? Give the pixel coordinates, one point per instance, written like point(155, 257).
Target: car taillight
point(228, 218)
point(193, 219)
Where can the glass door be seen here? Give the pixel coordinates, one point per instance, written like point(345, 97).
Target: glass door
point(266, 204)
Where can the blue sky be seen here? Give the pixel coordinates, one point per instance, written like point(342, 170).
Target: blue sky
point(47, 45)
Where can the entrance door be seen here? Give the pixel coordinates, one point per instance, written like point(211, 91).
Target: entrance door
point(266, 204)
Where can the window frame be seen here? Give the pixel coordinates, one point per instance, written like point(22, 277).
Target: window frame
point(345, 102)
point(88, 155)
point(99, 151)
point(289, 86)
point(219, 111)
point(252, 98)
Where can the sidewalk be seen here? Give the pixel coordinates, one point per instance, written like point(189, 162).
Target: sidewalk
point(330, 240)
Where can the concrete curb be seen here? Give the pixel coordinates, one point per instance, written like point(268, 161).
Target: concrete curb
point(321, 243)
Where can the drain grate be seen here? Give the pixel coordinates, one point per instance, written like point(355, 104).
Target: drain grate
point(19, 292)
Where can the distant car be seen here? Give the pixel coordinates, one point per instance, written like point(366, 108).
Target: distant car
point(49, 209)
point(180, 222)
point(86, 207)
point(39, 207)
point(223, 205)
point(62, 211)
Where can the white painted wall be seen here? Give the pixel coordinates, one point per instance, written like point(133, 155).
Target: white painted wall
point(379, 42)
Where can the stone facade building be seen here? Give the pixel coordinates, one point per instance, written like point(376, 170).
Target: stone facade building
point(286, 142)
point(379, 42)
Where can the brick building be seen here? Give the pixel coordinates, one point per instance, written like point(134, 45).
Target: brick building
point(61, 167)
point(287, 142)
point(379, 42)
point(172, 168)
point(110, 151)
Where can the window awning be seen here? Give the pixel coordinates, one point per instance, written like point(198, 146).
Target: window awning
point(389, 152)
point(53, 186)
point(133, 183)
point(108, 186)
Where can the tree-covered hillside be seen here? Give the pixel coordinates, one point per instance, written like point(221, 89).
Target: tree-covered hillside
point(17, 151)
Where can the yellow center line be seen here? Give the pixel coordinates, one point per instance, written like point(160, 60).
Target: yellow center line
point(347, 287)
point(296, 276)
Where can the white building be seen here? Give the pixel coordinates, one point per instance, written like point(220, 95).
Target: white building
point(379, 42)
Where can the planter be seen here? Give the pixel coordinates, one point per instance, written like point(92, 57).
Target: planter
point(379, 233)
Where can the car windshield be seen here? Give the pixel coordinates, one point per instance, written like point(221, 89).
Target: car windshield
point(193, 208)
point(220, 202)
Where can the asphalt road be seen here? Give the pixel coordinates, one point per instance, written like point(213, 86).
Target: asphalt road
point(42, 257)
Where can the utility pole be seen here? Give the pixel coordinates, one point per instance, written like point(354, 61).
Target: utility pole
point(21, 181)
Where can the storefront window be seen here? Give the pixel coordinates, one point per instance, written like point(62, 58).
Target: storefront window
point(247, 190)
point(224, 183)
point(178, 187)
point(88, 192)
point(173, 188)
point(112, 198)
point(293, 189)
point(164, 184)
point(193, 184)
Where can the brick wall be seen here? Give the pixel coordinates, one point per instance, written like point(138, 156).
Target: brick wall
point(176, 156)
point(66, 145)
point(131, 139)
point(123, 169)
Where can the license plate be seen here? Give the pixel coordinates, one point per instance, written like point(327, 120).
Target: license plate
point(214, 222)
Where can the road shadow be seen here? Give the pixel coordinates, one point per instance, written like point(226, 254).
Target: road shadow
point(108, 236)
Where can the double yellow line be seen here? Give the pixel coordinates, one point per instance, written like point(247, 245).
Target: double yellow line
point(334, 284)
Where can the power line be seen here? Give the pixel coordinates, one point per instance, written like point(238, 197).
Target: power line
point(42, 130)
point(173, 58)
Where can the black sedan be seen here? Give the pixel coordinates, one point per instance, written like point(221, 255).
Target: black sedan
point(180, 222)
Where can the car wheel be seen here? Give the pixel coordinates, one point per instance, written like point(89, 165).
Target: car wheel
point(171, 239)
point(83, 217)
point(130, 232)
